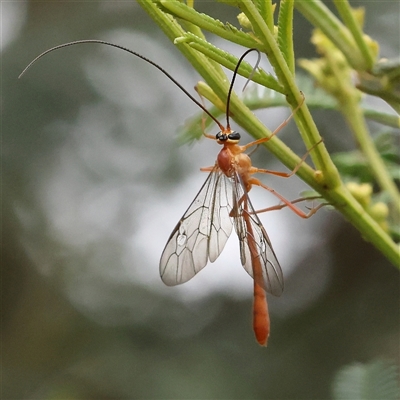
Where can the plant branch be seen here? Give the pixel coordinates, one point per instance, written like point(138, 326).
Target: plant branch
point(348, 18)
point(320, 16)
point(329, 185)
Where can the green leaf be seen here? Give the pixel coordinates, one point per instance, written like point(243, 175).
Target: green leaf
point(230, 61)
point(321, 17)
point(383, 81)
point(391, 120)
point(266, 10)
point(355, 165)
point(203, 21)
point(285, 32)
point(377, 380)
point(349, 18)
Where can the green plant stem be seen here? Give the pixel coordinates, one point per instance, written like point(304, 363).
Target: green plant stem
point(347, 15)
point(210, 24)
point(194, 131)
point(383, 118)
point(269, 13)
point(336, 194)
point(321, 17)
point(229, 61)
point(303, 117)
point(354, 116)
point(267, 43)
point(367, 226)
point(285, 32)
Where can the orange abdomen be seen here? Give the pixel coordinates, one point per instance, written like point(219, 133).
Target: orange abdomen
point(261, 322)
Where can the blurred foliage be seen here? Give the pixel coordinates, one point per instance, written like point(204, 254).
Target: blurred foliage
point(353, 165)
point(376, 380)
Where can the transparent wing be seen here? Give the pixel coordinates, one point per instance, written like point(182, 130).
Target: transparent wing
point(252, 235)
point(201, 233)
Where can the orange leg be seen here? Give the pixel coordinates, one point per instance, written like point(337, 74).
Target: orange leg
point(255, 170)
point(207, 169)
point(282, 125)
point(287, 203)
point(280, 206)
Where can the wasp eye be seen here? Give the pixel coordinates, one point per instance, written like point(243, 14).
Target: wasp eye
point(234, 136)
point(222, 137)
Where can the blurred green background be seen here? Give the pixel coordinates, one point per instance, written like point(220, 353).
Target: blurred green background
point(94, 181)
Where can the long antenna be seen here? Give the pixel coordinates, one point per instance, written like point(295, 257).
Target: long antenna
point(228, 100)
point(222, 128)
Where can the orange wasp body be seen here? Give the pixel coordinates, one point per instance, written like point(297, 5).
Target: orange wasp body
point(202, 232)
point(221, 203)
